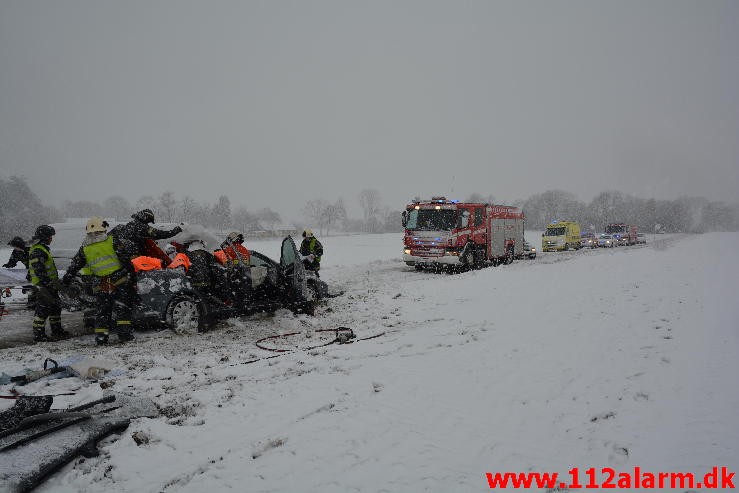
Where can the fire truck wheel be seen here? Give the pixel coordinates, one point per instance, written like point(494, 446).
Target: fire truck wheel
point(567, 247)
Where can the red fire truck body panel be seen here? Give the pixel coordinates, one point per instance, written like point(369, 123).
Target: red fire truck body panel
point(443, 232)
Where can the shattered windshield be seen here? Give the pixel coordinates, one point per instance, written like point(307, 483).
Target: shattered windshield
point(432, 219)
point(555, 231)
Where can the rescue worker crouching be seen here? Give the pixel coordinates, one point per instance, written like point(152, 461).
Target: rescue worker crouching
point(238, 263)
point(205, 272)
point(45, 277)
point(311, 251)
point(113, 285)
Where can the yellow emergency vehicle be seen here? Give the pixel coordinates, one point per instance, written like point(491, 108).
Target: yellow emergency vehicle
point(561, 235)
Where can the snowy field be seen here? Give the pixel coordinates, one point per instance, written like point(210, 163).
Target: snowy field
point(622, 357)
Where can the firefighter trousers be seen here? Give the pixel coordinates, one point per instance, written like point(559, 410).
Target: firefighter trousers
point(48, 305)
point(117, 303)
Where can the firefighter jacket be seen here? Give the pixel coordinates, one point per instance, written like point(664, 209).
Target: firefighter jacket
point(98, 257)
point(204, 270)
point(41, 266)
point(133, 235)
point(311, 246)
point(17, 256)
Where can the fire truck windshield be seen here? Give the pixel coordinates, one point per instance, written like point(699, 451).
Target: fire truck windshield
point(432, 219)
point(615, 228)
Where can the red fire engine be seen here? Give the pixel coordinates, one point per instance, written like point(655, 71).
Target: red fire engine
point(624, 234)
point(441, 232)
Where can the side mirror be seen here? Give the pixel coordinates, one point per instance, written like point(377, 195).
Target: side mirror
point(404, 218)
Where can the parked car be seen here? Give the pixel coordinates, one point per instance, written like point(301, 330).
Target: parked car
point(588, 240)
point(527, 251)
point(641, 238)
point(168, 299)
point(606, 241)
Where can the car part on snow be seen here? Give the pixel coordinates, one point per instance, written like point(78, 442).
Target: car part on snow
point(35, 375)
point(43, 441)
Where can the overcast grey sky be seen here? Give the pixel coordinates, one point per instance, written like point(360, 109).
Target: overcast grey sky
point(278, 102)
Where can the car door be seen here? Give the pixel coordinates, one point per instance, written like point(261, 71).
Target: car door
point(292, 272)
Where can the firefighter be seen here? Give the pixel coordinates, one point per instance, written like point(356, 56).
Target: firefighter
point(113, 286)
point(311, 251)
point(238, 260)
point(132, 236)
point(45, 278)
point(205, 272)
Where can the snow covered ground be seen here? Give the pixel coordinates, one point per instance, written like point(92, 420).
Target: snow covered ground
point(622, 357)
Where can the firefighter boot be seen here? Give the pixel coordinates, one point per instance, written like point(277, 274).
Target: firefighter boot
point(57, 332)
point(40, 336)
point(39, 330)
point(101, 336)
point(124, 331)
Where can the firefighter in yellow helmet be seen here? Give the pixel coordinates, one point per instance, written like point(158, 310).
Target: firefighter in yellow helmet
point(112, 285)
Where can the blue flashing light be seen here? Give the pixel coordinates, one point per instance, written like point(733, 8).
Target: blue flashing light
point(454, 201)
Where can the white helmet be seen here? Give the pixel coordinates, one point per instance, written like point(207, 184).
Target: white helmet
point(235, 237)
point(96, 225)
point(308, 233)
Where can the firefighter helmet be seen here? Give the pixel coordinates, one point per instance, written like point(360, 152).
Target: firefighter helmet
point(235, 237)
point(44, 232)
point(145, 216)
point(308, 233)
point(96, 225)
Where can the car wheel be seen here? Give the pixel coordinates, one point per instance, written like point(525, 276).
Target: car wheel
point(567, 247)
point(185, 315)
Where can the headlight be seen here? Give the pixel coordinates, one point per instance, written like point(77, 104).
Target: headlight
point(407, 251)
point(533, 249)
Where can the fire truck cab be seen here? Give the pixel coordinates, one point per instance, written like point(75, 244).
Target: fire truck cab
point(441, 232)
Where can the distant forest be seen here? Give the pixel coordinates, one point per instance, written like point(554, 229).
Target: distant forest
point(21, 211)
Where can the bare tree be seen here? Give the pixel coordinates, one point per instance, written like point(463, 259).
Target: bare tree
point(315, 210)
point(245, 221)
point(147, 202)
point(369, 199)
point(167, 206)
point(188, 210)
point(334, 214)
point(117, 207)
point(268, 217)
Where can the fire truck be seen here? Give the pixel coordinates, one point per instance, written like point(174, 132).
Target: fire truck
point(624, 234)
point(441, 232)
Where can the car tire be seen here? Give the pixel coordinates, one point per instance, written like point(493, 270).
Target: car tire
point(185, 315)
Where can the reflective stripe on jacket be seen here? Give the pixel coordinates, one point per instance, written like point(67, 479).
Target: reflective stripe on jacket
point(101, 258)
point(48, 267)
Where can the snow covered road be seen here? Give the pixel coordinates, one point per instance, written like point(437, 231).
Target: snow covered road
point(622, 357)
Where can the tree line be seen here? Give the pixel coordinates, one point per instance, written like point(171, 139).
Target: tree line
point(21, 211)
point(684, 214)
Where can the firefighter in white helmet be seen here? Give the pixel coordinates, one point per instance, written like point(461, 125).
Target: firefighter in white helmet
point(112, 284)
point(311, 251)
